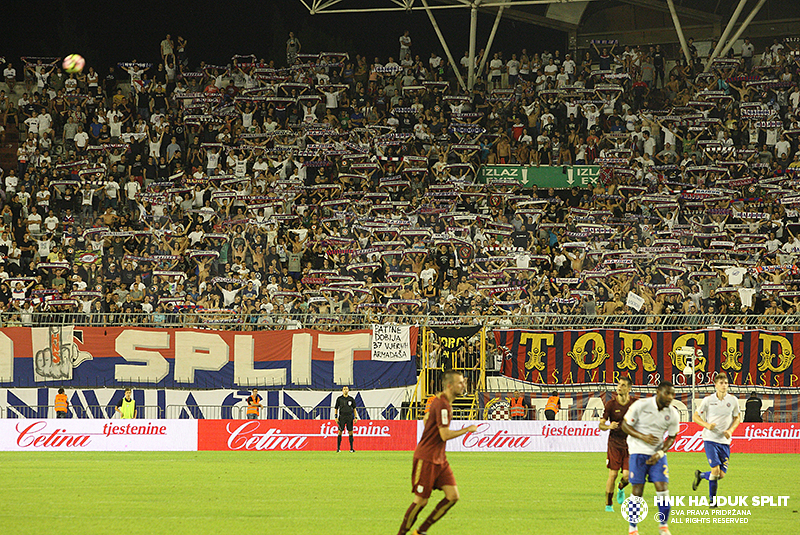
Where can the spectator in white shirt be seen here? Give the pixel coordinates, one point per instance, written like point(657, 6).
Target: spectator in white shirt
point(51, 222)
point(12, 181)
point(747, 53)
point(132, 189)
point(434, 61)
point(551, 69)
point(569, 67)
point(10, 76)
point(81, 140)
point(405, 46)
point(112, 193)
point(649, 144)
point(782, 148)
point(512, 67)
point(34, 222)
point(32, 123)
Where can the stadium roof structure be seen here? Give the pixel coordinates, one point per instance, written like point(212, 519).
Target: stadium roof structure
point(632, 22)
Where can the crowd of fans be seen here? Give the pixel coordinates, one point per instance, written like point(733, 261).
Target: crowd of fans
point(338, 191)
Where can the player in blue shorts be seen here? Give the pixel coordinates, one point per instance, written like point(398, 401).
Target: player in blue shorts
point(719, 416)
point(646, 423)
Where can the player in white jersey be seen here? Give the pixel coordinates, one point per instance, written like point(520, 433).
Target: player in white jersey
point(646, 423)
point(719, 416)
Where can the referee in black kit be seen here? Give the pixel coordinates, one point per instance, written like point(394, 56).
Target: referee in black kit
point(345, 416)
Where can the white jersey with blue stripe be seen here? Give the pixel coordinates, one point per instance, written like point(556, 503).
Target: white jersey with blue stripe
point(645, 417)
point(721, 412)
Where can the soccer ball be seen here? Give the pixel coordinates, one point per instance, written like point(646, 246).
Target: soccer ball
point(74, 63)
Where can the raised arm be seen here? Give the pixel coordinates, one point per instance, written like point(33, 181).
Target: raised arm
point(446, 433)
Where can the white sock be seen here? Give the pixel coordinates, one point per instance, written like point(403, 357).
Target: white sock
point(664, 494)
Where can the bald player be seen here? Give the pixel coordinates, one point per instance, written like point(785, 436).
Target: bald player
point(431, 469)
point(617, 452)
point(652, 424)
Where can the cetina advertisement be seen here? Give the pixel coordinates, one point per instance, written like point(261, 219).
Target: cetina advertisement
point(380, 435)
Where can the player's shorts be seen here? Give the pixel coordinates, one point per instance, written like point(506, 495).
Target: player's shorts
point(617, 457)
point(717, 454)
point(641, 472)
point(345, 423)
point(426, 476)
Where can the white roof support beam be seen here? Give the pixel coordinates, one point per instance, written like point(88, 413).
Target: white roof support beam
point(678, 29)
point(385, 9)
point(328, 4)
point(742, 28)
point(473, 30)
point(444, 45)
point(724, 37)
point(491, 39)
point(410, 5)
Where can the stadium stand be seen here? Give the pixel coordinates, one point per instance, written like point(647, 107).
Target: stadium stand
point(340, 191)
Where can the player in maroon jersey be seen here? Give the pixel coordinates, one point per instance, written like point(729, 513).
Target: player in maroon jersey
point(431, 469)
point(617, 454)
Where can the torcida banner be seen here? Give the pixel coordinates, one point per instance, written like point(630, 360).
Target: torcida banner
point(750, 358)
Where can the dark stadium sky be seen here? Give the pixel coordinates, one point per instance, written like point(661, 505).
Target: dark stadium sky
point(108, 32)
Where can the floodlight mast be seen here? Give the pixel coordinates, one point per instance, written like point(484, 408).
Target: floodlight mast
point(691, 354)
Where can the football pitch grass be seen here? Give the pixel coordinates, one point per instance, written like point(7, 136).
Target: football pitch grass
point(299, 493)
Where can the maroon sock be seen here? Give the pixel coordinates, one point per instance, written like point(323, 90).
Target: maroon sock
point(609, 495)
point(438, 512)
point(623, 483)
point(410, 517)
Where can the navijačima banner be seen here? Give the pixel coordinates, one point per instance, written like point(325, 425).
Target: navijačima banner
point(81, 357)
point(750, 358)
point(173, 403)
